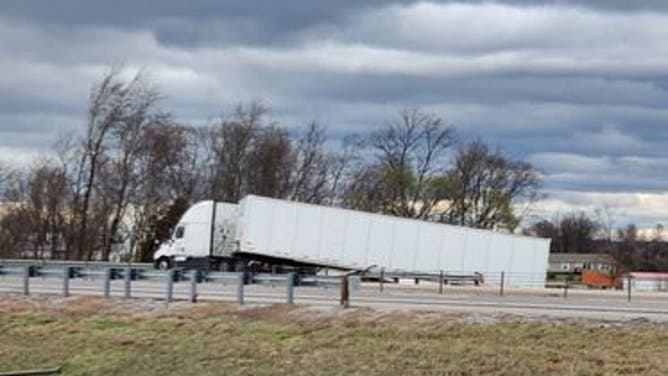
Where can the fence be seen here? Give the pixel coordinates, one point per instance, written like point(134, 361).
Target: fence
point(499, 283)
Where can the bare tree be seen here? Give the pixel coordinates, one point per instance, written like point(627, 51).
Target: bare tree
point(628, 250)
point(114, 102)
point(342, 166)
point(572, 232)
point(578, 231)
point(269, 163)
point(35, 221)
point(169, 178)
point(309, 178)
point(70, 152)
point(548, 229)
point(606, 217)
point(658, 233)
point(125, 145)
point(410, 155)
point(483, 186)
point(231, 141)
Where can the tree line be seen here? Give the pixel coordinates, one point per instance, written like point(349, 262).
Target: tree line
point(581, 232)
point(122, 181)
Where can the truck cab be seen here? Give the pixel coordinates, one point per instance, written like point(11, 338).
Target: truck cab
point(207, 230)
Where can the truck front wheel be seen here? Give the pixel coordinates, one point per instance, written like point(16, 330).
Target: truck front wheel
point(163, 263)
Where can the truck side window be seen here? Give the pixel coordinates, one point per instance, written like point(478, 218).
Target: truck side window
point(179, 232)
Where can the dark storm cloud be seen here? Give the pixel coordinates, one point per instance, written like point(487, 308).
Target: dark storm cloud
point(189, 24)
point(491, 90)
point(268, 15)
point(579, 88)
point(196, 22)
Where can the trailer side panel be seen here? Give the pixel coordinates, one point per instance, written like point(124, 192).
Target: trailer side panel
point(357, 240)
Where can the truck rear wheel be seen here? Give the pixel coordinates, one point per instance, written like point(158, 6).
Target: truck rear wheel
point(163, 263)
point(240, 266)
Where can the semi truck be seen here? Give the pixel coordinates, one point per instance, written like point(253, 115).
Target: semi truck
point(260, 231)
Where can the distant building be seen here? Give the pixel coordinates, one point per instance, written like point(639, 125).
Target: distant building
point(577, 262)
point(593, 270)
point(647, 281)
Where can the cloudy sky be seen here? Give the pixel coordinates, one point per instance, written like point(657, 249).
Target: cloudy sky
point(576, 87)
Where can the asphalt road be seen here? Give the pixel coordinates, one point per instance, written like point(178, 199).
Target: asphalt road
point(606, 305)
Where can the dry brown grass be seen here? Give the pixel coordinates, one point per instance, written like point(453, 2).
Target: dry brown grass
point(97, 336)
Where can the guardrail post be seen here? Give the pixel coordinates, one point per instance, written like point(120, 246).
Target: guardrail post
point(503, 281)
point(26, 280)
point(440, 282)
point(240, 288)
point(169, 281)
point(290, 284)
point(273, 273)
point(127, 278)
point(66, 281)
point(382, 278)
point(565, 288)
point(106, 282)
point(345, 292)
point(193, 286)
point(628, 287)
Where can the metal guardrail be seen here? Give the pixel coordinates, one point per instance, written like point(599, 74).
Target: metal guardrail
point(67, 272)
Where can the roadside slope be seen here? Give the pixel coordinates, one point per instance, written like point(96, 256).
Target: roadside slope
point(144, 337)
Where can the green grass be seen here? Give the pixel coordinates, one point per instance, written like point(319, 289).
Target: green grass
point(219, 339)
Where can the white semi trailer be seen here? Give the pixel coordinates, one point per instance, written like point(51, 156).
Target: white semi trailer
point(266, 230)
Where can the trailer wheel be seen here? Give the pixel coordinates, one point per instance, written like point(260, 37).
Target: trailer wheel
point(163, 263)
